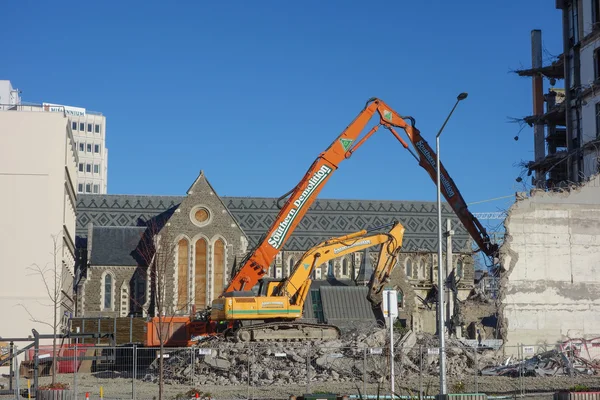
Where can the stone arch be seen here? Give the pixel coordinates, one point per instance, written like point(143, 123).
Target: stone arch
point(408, 267)
point(200, 253)
point(107, 294)
point(219, 264)
point(345, 267)
point(182, 274)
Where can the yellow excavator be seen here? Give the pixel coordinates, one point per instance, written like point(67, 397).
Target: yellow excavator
point(273, 312)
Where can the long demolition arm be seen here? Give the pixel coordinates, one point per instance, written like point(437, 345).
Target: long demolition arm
point(256, 265)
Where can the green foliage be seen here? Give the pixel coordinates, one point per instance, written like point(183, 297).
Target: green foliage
point(458, 387)
point(579, 388)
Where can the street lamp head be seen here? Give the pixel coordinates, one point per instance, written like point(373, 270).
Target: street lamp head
point(462, 96)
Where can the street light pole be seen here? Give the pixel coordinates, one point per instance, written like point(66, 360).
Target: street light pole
point(441, 322)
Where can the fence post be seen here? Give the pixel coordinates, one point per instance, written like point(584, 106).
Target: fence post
point(364, 371)
point(16, 372)
point(476, 371)
point(308, 366)
point(11, 371)
point(520, 352)
point(250, 355)
point(193, 358)
point(134, 375)
point(75, 370)
point(420, 371)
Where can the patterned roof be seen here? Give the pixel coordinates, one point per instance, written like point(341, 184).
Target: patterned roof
point(115, 245)
point(325, 219)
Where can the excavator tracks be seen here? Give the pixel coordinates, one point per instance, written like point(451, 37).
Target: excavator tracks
point(285, 331)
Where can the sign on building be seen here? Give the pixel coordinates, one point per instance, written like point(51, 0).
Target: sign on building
point(68, 110)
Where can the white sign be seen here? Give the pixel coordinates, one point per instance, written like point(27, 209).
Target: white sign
point(435, 351)
point(68, 110)
point(393, 307)
point(280, 354)
point(528, 350)
point(376, 350)
point(204, 351)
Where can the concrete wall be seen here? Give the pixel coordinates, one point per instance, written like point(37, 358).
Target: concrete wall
point(551, 287)
point(36, 170)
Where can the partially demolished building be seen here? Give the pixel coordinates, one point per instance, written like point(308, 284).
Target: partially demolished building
point(550, 289)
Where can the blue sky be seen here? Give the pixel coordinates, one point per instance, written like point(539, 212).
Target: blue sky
point(252, 91)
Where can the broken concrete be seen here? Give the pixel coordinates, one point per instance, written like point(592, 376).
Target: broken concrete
point(355, 357)
point(550, 288)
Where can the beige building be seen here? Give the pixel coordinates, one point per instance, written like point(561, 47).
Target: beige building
point(38, 172)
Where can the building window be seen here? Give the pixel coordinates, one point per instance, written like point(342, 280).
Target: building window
point(96, 188)
point(182, 275)
point(80, 188)
point(97, 128)
point(88, 188)
point(89, 147)
point(290, 268)
point(408, 268)
point(108, 284)
point(345, 268)
point(574, 23)
point(595, 13)
point(315, 296)
point(89, 127)
point(597, 120)
point(96, 169)
point(96, 148)
point(80, 167)
point(74, 126)
point(459, 269)
point(200, 272)
point(218, 265)
point(81, 126)
point(81, 146)
point(88, 167)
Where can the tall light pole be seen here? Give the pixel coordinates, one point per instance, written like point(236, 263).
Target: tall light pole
point(441, 276)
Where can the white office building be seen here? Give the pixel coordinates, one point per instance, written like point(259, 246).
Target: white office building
point(89, 132)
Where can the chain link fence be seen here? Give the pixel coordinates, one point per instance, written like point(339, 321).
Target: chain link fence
point(227, 370)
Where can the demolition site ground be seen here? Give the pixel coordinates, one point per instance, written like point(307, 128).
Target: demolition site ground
point(358, 363)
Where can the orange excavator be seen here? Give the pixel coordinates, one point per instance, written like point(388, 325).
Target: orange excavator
point(255, 265)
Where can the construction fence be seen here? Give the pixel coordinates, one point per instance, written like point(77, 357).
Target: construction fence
point(226, 370)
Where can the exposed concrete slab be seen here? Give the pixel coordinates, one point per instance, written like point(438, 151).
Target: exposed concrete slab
point(551, 287)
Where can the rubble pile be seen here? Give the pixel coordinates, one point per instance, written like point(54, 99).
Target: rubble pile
point(356, 356)
point(549, 363)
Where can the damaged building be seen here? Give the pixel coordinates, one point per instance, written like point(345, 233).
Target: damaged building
point(213, 233)
point(550, 289)
point(566, 121)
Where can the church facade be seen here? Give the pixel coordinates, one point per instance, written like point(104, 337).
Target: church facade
point(211, 234)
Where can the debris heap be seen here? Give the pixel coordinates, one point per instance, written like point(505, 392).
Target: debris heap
point(356, 356)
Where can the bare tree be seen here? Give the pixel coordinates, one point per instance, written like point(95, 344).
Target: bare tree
point(157, 255)
point(55, 277)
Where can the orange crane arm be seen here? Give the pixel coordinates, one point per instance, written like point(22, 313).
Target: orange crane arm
point(257, 263)
point(427, 160)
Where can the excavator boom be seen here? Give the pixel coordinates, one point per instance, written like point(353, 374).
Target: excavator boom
point(255, 266)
